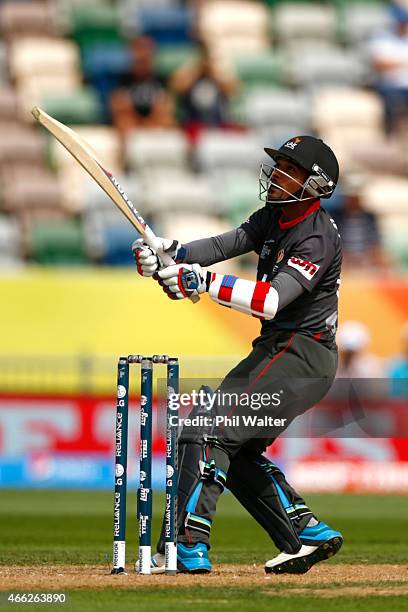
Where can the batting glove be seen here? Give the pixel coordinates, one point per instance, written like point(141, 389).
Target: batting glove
point(146, 259)
point(182, 280)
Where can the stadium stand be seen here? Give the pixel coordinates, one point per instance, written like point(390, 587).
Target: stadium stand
point(289, 67)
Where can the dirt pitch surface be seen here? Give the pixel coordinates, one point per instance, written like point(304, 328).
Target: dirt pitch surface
point(352, 580)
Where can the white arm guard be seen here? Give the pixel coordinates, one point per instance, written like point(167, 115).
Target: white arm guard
point(258, 299)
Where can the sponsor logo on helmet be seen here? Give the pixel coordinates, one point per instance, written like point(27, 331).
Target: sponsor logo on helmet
point(292, 144)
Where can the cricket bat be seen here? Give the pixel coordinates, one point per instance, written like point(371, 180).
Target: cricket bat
point(84, 155)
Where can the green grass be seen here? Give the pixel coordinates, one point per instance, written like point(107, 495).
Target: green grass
point(52, 527)
point(76, 527)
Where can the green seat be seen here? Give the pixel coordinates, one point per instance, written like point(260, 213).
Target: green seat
point(57, 243)
point(91, 25)
point(80, 107)
point(396, 244)
point(171, 57)
point(259, 69)
point(240, 198)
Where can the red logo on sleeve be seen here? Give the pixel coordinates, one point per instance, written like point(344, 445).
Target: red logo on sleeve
point(306, 268)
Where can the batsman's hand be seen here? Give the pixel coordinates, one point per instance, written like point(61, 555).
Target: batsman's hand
point(182, 280)
point(147, 260)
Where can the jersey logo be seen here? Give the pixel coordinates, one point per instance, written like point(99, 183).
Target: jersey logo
point(280, 256)
point(292, 144)
point(306, 268)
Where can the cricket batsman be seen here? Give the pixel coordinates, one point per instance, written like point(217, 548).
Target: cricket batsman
point(296, 298)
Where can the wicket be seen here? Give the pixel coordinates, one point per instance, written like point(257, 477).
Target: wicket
point(145, 492)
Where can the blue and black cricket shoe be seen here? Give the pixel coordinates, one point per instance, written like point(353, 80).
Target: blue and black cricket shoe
point(319, 542)
point(193, 559)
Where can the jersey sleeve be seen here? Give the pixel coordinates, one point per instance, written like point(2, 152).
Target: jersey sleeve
point(255, 227)
point(309, 259)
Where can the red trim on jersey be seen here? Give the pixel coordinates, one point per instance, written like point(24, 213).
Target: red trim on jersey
point(317, 336)
point(258, 298)
point(288, 224)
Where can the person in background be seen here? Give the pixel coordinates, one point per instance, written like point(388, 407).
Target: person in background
point(142, 100)
point(359, 231)
point(398, 371)
point(203, 93)
point(355, 361)
point(388, 51)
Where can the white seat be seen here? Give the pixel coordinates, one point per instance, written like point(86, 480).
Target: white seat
point(345, 106)
point(232, 18)
point(24, 18)
point(192, 226)
point(344, 139)
point(10, 237)
point(297, 20)
point(30, 56)
point(218, 149)
point(150, 148)
point(166, 190)
point(333, 66)
point(272, 107)
point(391, 189)
point(362, 20)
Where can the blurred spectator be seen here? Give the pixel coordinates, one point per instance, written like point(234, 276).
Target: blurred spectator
point(203, 93)
point(359, 231)
point(389, 55)
point(355, 361)
point(142, 100)
point(398, 371)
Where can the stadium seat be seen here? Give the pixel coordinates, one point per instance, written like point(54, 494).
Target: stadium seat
point(239, 198)
point(217, 150)
point(175, 190)
point(232, 18)
point(42, 65)
point(3, 64)
point(26, 190)
point(56, 242)
point(152, 148)
point(19, 143)
point(334, 107)
point(234, 27)
point(296, 20)
point(62, 10)
point(169, 58)
point(24, 18)
point(387, 188)
point(394, 231)
point(10, 238)
point(332, 65)
point(273, 107)
point(40, 55)
point(104, 66)
point(258, 69)
point(105, 142)
point(359, 21)
point(91, 25)
point(345, 139)
point(8, 104)
point(166, 25)
point(79, 107)
point(388, 157)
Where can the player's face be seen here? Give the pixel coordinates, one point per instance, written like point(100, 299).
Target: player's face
point(289, 176)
